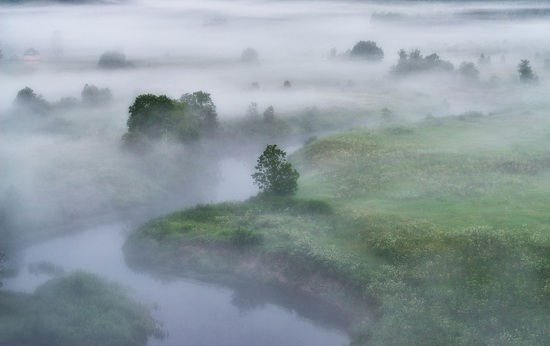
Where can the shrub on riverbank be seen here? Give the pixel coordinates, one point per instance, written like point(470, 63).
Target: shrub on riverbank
point(79, 309)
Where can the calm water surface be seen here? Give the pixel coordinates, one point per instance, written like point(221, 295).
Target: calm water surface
point(192, 312)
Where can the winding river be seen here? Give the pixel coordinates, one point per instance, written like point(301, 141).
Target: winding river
point(190, 311)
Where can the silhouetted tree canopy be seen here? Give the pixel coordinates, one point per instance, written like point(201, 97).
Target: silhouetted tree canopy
point(484, 60)
point(415, 63)
point(367, 50)
point(27, 99)
point(249, 55)
point(113, 60)
point(526, 74)
point(92, 95)
point(468, 71)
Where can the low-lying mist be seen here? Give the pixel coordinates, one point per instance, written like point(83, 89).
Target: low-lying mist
point(272, 72)
point(66, 163)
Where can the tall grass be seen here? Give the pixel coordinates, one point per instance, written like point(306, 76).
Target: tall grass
point(442, 227)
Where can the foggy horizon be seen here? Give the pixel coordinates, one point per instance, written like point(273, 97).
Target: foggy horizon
point(67, 164)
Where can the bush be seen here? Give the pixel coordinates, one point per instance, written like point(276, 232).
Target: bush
point(314, 206)
point(242, 237)
point(79, 309)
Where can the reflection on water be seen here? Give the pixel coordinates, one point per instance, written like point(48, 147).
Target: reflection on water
point(192, 312)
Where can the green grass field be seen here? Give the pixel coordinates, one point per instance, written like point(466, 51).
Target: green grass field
point(439, 228)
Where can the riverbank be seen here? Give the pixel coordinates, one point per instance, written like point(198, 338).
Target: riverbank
point(437, 230)
point(248, 243)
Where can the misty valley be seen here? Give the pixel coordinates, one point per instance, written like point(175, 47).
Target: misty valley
point(182, 172)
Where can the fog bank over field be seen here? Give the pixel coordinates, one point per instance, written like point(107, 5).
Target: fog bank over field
point(116, 112)
point(68, 161)
point(180, 46)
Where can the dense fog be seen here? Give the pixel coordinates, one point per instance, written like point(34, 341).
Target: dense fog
point(63, 161)
point(70, 160)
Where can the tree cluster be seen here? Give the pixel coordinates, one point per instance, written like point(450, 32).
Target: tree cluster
point(29, 101)
point(92, 95)
point(468, 71)
point(259, 124)
point(367, 50)
point(414, 62)
point(154, 117)
point(484, 60)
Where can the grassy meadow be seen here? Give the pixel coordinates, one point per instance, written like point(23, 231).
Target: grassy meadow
point(438, 229)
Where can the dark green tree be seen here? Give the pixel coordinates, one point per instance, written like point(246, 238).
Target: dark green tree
point(367, 50)
point(151, 115)
point(274, 174)
point(526, 74)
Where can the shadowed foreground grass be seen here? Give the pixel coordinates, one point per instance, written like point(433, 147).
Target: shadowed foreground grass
point(429, 234)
